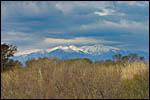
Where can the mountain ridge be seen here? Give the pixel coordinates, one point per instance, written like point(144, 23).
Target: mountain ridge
point(95, 53)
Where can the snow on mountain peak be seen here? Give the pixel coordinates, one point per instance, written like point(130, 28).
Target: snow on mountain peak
point(98, 49)
point(27, 52)
point(65, 48)
point(94, 50)
point(75, 48)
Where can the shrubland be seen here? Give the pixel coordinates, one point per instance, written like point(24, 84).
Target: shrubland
point(51, 78)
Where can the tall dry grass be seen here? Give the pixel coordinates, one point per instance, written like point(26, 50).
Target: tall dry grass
point(51, 78)
point(134, 68)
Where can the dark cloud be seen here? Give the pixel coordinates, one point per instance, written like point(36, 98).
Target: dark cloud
point(125, 22)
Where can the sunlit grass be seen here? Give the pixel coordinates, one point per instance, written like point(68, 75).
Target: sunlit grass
point(132, 69)
point(78, 79)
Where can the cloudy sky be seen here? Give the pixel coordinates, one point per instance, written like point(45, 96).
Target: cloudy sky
point(42, 25)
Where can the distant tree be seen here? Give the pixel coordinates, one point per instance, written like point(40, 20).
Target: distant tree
point(99, 62)
point(6, 52)
point(88, 60)
point(12, 64)
point(125, 59)
point(133, 57)
point(117, 57)
point(141, 58)
point(30, 62)
point(109, 62)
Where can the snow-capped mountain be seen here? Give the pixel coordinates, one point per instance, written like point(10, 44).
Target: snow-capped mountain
point(66, 48)
point(98, 49)
point(95, 53)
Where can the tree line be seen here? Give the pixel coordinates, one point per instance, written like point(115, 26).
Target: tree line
point(119, 59)
point(8, 51)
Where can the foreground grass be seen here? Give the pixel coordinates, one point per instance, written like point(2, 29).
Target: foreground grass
point(49, 78)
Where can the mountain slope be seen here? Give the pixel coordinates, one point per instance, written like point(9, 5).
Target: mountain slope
point(95, 53)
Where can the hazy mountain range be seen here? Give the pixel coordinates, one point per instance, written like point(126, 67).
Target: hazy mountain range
point(95, 53)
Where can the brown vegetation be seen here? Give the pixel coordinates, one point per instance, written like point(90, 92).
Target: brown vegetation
point(52, 78)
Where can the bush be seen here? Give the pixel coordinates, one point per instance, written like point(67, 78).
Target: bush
point(50, 78)
point(12, 65)
point(136, 88)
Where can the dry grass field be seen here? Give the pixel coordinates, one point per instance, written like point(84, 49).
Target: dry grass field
point(79, 79)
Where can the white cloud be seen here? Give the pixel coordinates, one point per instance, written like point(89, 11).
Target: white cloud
point(135, 3)
point(79, 40)
point(18, 19)
point(68, 7)
point(53, 32)
point(11, 36)
point(65, 8)
point(105, 12)
point(131, 26)
point(109, 12)
point(26, 9)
